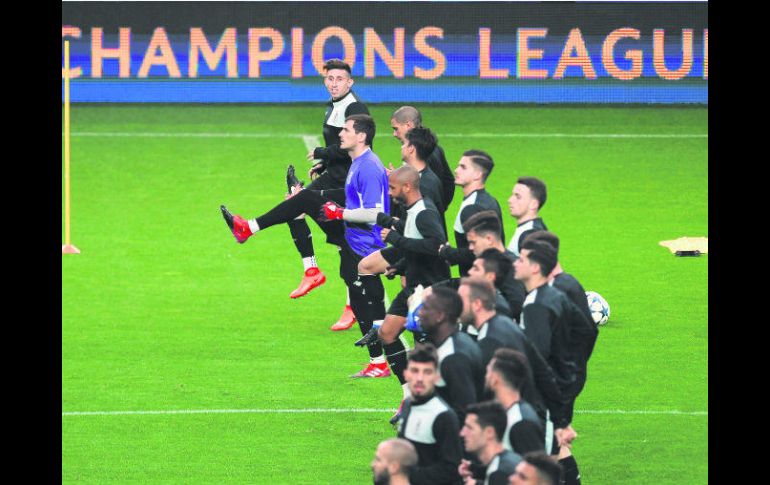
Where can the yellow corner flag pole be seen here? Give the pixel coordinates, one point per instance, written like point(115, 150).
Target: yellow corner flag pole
point(67, 248)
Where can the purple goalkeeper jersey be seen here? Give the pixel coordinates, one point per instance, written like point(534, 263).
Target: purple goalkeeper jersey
point(366, 187)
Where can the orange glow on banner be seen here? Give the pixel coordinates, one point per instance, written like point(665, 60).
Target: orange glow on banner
point(485, 46)
point(348, 45)
point(633, 55)
point(122, 52)
point(527, 54)
point(394, 61)
point(575, 43)
point(226, 47)
point(159, 41)
point(658, 55)
point(430, 52)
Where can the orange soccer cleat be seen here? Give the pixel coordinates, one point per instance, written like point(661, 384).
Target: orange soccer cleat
point(313, 278)
point(346, 320)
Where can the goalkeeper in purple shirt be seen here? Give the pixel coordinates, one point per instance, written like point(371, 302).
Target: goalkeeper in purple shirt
point(353, 228)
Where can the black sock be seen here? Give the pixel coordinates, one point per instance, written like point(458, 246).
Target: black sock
point(367, 307)
point(571, 472)
point(395, 352)
point(303, 239)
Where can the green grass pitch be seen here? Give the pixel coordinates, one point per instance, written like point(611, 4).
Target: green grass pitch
point(164, 311)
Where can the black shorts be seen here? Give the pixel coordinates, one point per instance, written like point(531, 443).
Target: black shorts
point(349, 260)
point(400, 305)
point(391, 255)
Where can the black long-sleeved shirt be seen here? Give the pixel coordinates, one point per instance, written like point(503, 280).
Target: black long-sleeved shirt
point(522, 231)
point(461, 372)
point(540, 388)
point(545, 319)
point(430, 188)
point(497, 471)
point(477, 201)
point(583, 331)
point(418, 245)
point(438, 164)
point(524, 431)
point(335, 160)
point(433, 428)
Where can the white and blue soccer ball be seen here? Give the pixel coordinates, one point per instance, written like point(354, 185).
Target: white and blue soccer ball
point(600, 309)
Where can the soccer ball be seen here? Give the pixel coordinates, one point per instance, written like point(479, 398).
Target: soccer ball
point(600, 309)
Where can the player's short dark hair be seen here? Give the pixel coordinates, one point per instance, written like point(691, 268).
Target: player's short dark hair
point(364, 124)
point(549, 470)
point(537, 187)
point(496, 261)
point(483, 223)
point(512, 365)
point(336, 64)
point(406, 114)
point(423, 140)
point(424, 353)
point(481, 290)
point(490, 413)
point(542, 253)
point(546, 236)
point(449, 301)
point(482, 160)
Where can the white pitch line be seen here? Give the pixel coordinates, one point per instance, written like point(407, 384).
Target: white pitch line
point(345, 410)
point(441, 135)
point(311, 141)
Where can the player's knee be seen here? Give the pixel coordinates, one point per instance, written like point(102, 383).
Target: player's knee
point(391, 328)
point(365, 267)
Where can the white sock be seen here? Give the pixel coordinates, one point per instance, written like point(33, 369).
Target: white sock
point(253, 225)
point(405, 387)
point(309, 262)
point(377, 360)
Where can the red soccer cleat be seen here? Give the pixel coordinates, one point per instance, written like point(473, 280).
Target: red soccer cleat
point(313, 277)
point(237, 225)
point(347, 319)
point(373, 370)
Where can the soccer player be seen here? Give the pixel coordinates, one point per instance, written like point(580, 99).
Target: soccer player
point(583, 333)
point(329, 173)
point(351, 227)
point(471, 174)
point(429, 423)
point(484, 230)
point(506, 374)
point(494, 267)
point(537, 468)
point(495, 332)
point(549, 319)
point(459, 356)
point(393, 461)
point(482, 432)
point(525, 202)
point(404, 119)
point(418, 248)
point(417, 146)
